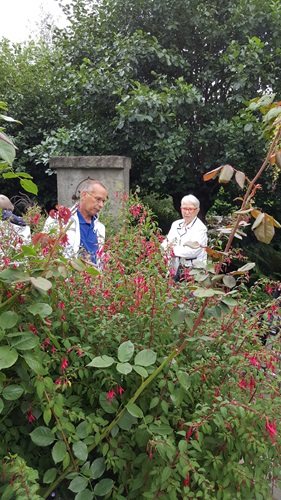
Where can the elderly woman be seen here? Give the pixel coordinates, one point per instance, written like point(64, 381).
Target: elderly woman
point(18, 224)
point(187, 237)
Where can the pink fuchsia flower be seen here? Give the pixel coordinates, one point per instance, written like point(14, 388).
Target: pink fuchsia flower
point(119, 390)
point(64, 365)
point(271, 428)
point(30, 418)
point(61, 213)
point(110, 395)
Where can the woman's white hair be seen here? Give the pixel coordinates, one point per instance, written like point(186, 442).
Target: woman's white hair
point(190, 199)
point(5, 203)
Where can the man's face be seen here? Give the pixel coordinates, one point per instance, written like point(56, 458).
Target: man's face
point(92, 201)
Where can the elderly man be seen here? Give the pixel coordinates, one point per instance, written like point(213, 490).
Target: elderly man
point(187, 237)
point(86, 233)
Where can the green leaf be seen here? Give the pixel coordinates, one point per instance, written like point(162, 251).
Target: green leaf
point(161, 429)
point(101, 362)
point(41, 283)
point(229, 281)
point(34, 363)
point(29, 186)
point(145, 358)
point(59, 451)
point(203, 292)
point(41, 308)
point(104, 487)
point(125, 351)
point(7, 152)
point(97, 468)
point(124, 368)
point(229, 301)
point(27, 250)
point(42, 436)
point(80, 450)
point(84, 495)
point(25, 342)
point(12, 392)
point(126, 421)
point(178, 315)
point(8, 320)
point(78, 484)
point(8, 357)
point(134, 410)
point(141, 371)
point(184, 380)
point(13, 275)
point(49, 476)
point(1, 405)
point(108, 407)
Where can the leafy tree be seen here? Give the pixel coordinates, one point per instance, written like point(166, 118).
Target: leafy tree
point(162, 81)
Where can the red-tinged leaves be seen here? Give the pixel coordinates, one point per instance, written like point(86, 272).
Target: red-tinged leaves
point(240, 178)
point(212, 174)
point(226, 174)
point(215, 253)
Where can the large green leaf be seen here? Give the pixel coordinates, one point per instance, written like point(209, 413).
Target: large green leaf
point(13, 275)
point(124, 368)
point(12, 392)
point(41, 308)
point(29, 186)
point(7, 151)
point(41, 283)
point(178, 315)
point(78, 484)
point(161, 429)
point(101, 362)
point(134, 410)
point(42, 436)
point(80, 450)
point(8, 356)
point(25, 342)
point(97, 468)
point(59, 451)
point(84, 495)
point(125, 351)
point(8, 320)
point(104, 487)
point(34, 362)
point(145, 358)
point(50, 476)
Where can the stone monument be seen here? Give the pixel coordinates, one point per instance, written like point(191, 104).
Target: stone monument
point(112, 171)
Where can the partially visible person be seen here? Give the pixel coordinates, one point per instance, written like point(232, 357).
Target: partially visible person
point(18, 224)
point(86, 233)
point(189, 229)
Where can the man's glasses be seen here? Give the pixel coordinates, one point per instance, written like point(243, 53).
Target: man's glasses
point(188, 209)
point(99, 200)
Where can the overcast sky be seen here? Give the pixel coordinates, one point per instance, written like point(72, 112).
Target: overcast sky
point(18, 17)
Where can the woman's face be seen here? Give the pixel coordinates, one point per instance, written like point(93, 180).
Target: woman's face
point(189, 212)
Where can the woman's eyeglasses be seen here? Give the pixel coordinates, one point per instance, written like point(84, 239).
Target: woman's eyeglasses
point(188, 209)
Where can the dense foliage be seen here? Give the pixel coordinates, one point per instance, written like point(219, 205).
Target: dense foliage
point(127, 385)
point(161, 81)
